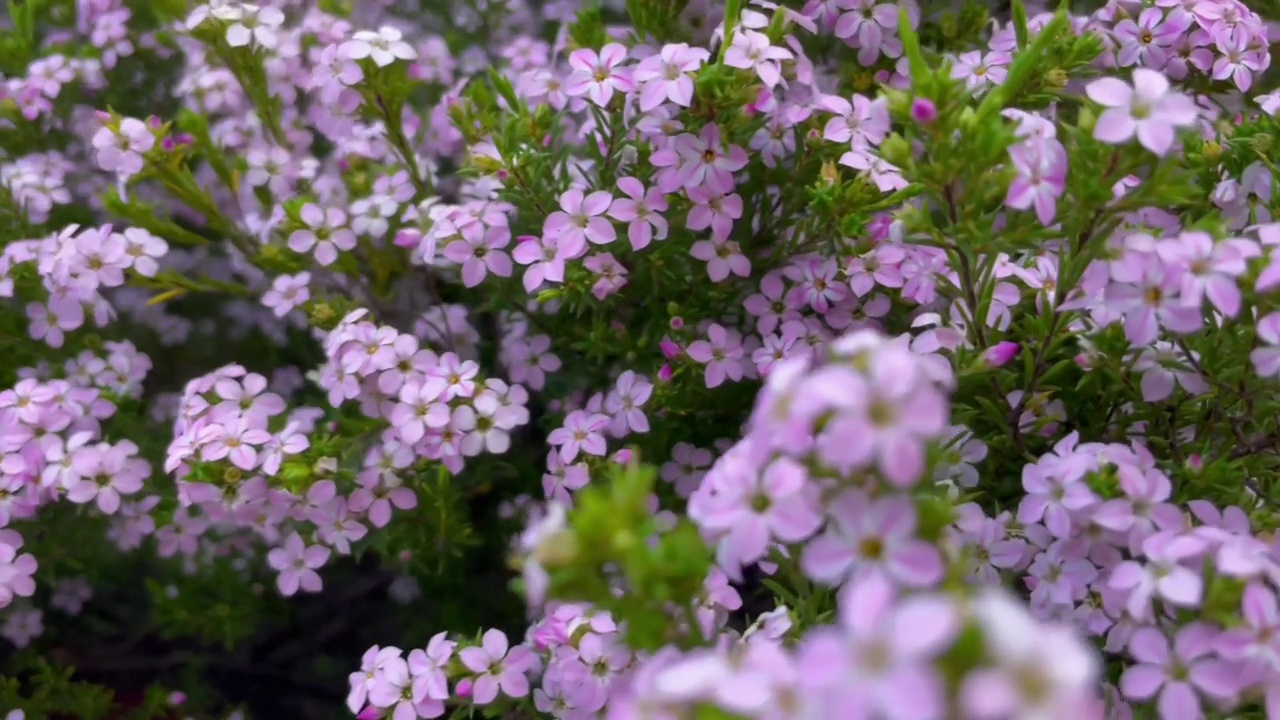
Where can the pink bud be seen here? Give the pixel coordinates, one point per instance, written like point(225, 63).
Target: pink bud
point(1195, 463)
point(923, 111)
point(408, 238)
point(623, 456)
point(369, 713)
point(677, 323)
point(103, 116)
point(154, 122)
point(664, 375)
point(1000, 354)
point(669, 348)
point(177, 698)
point(464, 687)
point(406, 556)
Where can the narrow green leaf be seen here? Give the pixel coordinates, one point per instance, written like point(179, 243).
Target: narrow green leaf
point(1020, 23)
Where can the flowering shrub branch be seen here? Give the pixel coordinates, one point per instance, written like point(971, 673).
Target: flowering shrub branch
point(670, 359)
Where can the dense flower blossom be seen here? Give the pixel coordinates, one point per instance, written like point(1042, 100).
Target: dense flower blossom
point(902, 317)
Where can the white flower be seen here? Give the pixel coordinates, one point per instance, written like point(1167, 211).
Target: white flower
point(250, 24)
point(384, 47)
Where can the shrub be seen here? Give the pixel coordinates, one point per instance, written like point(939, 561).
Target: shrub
point(638, 360)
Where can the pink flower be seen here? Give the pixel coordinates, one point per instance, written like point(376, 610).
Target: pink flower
point(751, 50)
point(610, 274)
point(427, 668)
point(861, 122)
point(297, 564)
point(886, 648)
point(1149, 109)
point(721, 352)
point(1151, 39)
point(1236, 59)
point(866, 536)
point(629, 395)
point(665, 76)
point(1040, 671)
point(870, 27)
point(479, 251)
point(497, 669)
point(1177, 676)
point(1163, 575)
point(287, 293)
point(641, 211)
point(325, 231)
point(581, 432)
point(703, 160)
point(545, 257)
point(751, 509)
point(979, 71)
point(580, 219)
point(722, 258)
point(598, 75)
point(16, 572)
point(1041, 167)
point(714, 210)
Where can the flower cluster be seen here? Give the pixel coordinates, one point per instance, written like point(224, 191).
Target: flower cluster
point(846, 358)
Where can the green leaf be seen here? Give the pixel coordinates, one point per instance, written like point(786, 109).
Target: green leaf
point(911, 46)
point(1020, 23)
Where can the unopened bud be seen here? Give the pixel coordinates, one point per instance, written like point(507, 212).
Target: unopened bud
point(1000, 354)
point(923, 111)
point(830, 175)
point(1056, 78)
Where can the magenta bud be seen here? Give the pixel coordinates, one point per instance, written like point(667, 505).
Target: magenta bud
point(1195, 463)
point(168, 144)
point(103, 116)
point(464, 687)
point(664, 375)
point(154, 122)
point(369, 713)
point(623, 456)
point(669, 348)
point(177, 698)
point(677, 323)
point(1000, 354)
point(923, 111)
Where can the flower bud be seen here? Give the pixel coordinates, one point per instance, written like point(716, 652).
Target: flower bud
point(923, 111)
point(1056, 78)
point(1000, 354)
point(896, 150)
point(830, 175)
